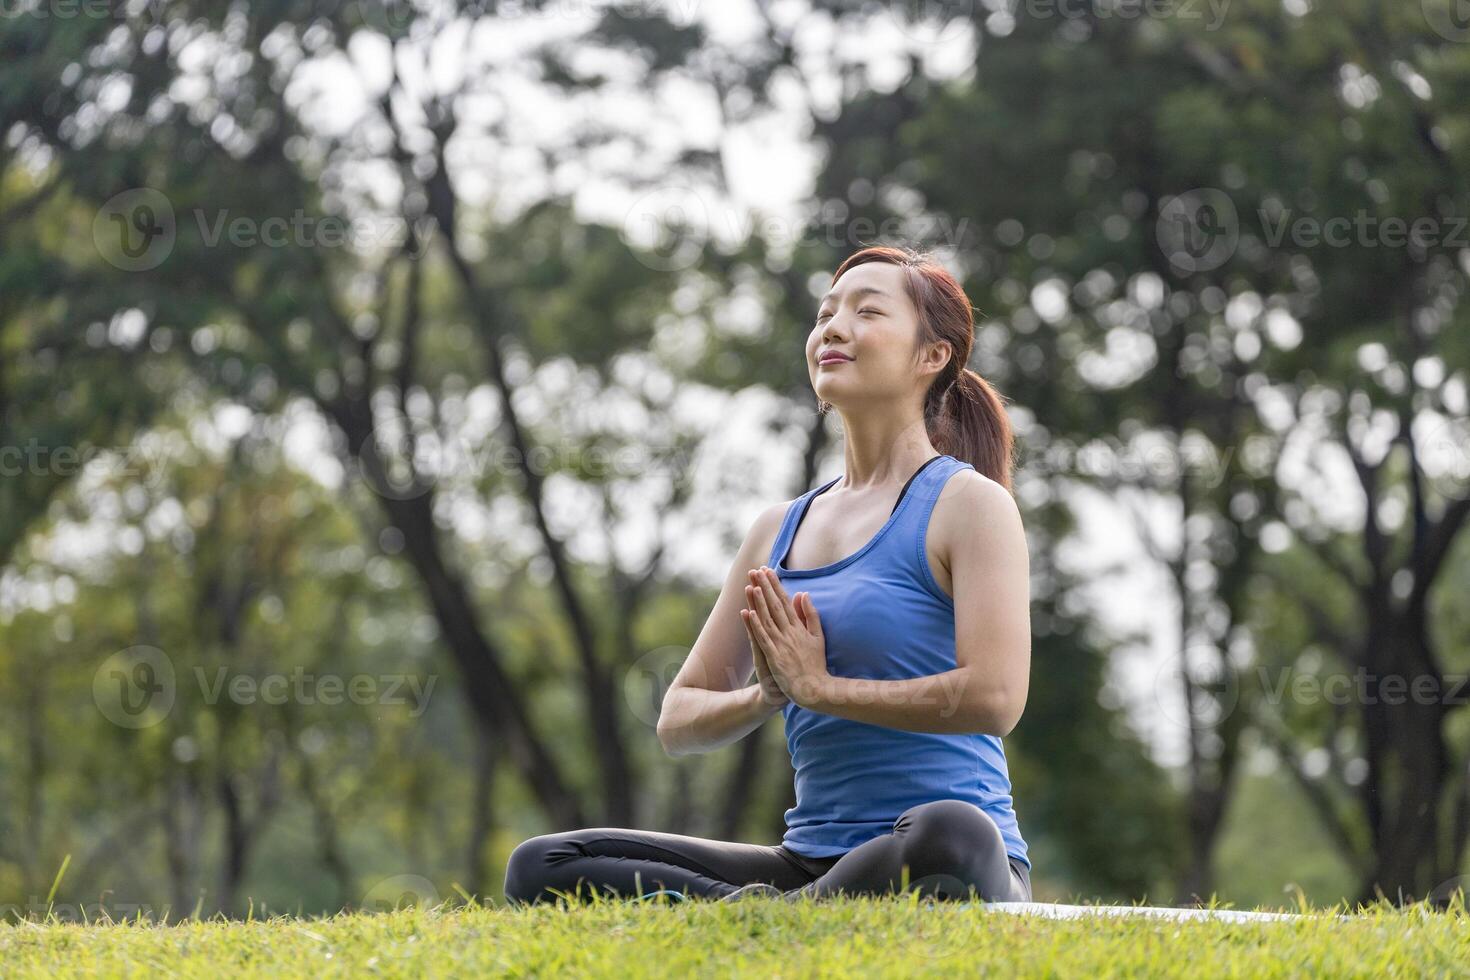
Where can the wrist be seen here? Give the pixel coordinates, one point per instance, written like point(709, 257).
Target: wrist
point(813, 692)
point(761, 703)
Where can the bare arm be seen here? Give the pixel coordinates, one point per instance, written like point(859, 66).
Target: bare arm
point(981, 531)
point(711, 702)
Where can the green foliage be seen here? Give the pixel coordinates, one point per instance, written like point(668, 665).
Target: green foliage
point(844, 937)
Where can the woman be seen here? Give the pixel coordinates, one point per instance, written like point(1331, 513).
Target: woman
point(884, 614)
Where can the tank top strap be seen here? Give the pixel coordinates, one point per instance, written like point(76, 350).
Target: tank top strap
point(906, 543)
point(792, 518)
point(924, 494)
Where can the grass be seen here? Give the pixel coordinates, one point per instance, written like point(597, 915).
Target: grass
point(839, 937)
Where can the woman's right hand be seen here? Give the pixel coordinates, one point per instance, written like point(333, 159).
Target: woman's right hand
point(771, 692)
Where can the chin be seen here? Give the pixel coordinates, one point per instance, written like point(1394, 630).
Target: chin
point(834, 395)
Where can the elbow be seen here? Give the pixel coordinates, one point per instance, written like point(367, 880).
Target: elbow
point(666, 735)
point(668, 732)
point(667, 740)
point(1000, 714)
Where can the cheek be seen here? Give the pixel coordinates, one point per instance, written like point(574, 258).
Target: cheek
point(895, 352)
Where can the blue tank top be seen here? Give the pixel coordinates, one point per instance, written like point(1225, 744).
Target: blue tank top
point(884, 617)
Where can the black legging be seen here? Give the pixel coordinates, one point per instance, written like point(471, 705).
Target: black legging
point(948, 846)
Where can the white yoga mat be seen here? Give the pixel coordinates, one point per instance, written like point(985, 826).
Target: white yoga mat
point(1056, 911)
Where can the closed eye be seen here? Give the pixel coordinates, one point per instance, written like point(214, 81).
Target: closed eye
point(866, 309)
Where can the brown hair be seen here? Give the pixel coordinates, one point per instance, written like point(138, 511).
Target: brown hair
point(964, 416)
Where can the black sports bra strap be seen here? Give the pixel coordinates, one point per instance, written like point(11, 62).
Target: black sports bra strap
point(791, 538)
point(911, 479)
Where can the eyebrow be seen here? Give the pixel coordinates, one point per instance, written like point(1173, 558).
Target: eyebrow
point(860, 291)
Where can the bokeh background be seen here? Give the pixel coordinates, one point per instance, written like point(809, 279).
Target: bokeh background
point(385, 388)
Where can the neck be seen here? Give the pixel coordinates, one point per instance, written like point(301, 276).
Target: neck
point(881, 449)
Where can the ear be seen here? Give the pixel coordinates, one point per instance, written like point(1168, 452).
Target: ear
point(937, 356)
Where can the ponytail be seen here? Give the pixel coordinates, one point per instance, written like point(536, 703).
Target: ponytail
point(969, 422)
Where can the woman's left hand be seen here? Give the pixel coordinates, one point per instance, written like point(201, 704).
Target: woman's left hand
point(790, 633)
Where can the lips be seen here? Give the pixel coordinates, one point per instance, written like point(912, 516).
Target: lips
point(833, 357)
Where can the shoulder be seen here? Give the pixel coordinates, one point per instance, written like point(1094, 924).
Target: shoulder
point(760, 538)
point(971, 504)
point(768, 521)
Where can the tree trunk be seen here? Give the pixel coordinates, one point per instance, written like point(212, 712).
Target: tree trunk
point(482, 813)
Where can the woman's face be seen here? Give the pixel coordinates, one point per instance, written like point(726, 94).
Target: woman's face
point(868, 317)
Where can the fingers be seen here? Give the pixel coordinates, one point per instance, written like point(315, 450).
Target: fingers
point(757, 658)
point(777, 588)
point(756, 597)
point(777, 605)
point(764, 636)
point(780, 601)
point(749, 632)
point(757, 652)
point(771, 690)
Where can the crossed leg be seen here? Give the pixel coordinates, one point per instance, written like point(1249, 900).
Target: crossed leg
point(629, 863)
point(941, 849)
point(945, 849)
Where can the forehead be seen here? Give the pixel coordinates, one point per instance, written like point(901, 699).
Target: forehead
point(880, 279)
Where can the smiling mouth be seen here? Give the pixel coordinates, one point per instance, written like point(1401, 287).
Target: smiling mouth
point(833, 360)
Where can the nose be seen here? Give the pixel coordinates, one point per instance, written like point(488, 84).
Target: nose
point(833, 332)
